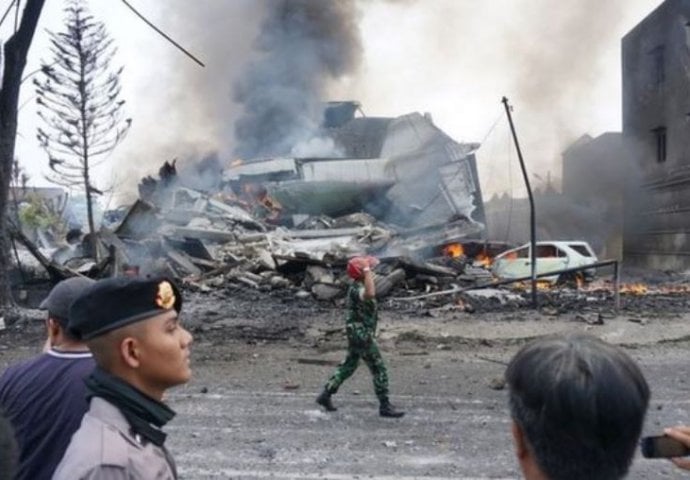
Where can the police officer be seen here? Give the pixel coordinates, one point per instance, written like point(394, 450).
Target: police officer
point(141, 350)
point(361, 322)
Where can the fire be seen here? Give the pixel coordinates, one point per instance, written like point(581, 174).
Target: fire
point(638, 288)
point(454, 250)
point(483, 259)
point(634, 288)
point(236, 163)
point(542, 285)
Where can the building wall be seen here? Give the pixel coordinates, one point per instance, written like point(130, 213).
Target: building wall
point(557, 218)
point(656, 126)
point(595, 176)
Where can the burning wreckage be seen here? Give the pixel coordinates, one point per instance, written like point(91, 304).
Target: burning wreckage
point(399, 188)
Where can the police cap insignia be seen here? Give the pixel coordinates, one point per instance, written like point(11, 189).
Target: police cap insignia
point(165, 298)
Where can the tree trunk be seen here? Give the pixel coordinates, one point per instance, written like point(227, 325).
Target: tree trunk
point(85, 146)
point(89, 213)
point(15, 52)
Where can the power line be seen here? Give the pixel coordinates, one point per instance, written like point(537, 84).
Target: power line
point(160, 32)
point(460, 170)
point(7, 12)
point(499, 117)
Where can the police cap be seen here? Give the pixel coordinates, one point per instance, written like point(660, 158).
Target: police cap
point(116, 302)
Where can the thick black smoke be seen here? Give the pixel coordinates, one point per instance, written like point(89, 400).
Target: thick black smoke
point(303, 45)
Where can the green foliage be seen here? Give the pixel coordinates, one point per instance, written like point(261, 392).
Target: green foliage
point(34, 213)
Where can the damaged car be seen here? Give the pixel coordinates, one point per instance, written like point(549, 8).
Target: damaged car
point(551, 256)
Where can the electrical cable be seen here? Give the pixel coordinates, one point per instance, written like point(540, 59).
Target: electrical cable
point(160, 32)
point(435, 197)
point(498, 119)
point(7, 12)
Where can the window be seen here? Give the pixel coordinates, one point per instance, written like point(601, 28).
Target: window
point(658, 66)
point(547, 251)
point(581, 249)
point(660, 143)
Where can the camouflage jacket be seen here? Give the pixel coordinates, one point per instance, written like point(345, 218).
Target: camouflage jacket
point(362, 315)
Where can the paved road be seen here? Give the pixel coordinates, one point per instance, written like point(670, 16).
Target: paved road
point(249, 425)
point(249, 412)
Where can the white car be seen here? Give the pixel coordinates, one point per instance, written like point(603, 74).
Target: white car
point(551, 256)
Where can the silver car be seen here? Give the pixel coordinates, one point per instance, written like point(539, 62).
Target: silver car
point(551, 256)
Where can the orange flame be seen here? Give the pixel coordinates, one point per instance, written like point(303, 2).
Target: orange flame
point(236, 163)
point(483, 259)
point(542, 285)
point(634, 288)
point(454, 250)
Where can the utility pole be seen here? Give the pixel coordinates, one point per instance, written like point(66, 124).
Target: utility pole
point(532, 218)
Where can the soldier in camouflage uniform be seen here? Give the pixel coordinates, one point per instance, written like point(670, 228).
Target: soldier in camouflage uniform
point(362, 317)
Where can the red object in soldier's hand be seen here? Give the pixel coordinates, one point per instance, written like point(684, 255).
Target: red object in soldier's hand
point(356, 266)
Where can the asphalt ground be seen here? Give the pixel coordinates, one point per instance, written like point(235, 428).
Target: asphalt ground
point(249, 412)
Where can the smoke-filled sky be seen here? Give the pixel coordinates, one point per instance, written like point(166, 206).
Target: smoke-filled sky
point(557, 62)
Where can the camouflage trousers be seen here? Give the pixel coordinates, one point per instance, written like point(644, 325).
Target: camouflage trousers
point(372, 357)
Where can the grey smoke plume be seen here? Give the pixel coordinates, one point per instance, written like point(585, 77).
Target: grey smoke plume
point(302, 46)
point(556, 55)
point(546, 56)
point(181, 110)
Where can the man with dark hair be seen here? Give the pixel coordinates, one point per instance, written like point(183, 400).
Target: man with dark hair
point(578, 405)
point(141, 350)
point(45, 397)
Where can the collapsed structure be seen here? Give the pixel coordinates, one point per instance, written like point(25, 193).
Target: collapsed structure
point(404, 170)
point(399, 188)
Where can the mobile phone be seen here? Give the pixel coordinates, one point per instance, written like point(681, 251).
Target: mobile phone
point(662, 446)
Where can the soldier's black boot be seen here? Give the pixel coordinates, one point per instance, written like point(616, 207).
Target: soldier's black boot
point(324, 399)
point(388, 410)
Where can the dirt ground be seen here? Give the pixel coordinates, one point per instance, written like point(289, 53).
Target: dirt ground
point(259, 360)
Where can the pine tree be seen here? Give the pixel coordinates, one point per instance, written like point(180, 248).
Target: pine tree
point(79, 101)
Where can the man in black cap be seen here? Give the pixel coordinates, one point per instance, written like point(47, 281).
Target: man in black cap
point(49, 384)
point(141, 350)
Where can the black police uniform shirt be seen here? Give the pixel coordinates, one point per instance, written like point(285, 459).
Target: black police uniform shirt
point(45, 399)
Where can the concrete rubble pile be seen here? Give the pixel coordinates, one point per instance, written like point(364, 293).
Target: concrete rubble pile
point(398, 188)
point(210, 241)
